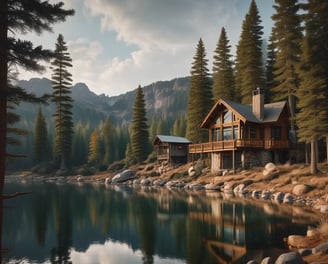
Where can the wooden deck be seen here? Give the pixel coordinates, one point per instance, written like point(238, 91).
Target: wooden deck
point(218, 146)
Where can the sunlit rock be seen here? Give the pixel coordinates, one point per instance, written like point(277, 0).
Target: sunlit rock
point(123, 176)
point(301, 189)
point(270, 171)
point(290, 258)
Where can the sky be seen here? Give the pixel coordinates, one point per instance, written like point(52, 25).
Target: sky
point(117, 45)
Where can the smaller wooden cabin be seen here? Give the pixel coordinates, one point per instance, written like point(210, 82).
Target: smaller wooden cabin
point(171, 150)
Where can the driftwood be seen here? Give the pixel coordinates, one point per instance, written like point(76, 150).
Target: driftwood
point(13, 195)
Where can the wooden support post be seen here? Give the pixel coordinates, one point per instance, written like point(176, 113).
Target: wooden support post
point(233, 161)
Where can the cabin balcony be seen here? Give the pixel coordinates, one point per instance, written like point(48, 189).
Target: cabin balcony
point(234, 144)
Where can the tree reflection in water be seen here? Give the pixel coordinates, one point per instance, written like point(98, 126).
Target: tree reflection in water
point(69, 223)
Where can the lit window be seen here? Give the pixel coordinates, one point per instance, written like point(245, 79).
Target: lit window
point(227, 116)
point(227, 133)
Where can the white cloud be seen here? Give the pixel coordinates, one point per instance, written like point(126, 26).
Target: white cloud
point(113, 253)
point(164, 36)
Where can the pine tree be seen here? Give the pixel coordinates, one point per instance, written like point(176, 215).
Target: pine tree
point(249, 68)
point(108, 132)
point(139, 132)
point(40, 138)
point(79, 145)
point(179, 127)
point(94, 148)
point(286, 40)
point(200, 96)
point(312, 118)
point(61, 82)
point(270, 82)
point(223, 75)
point(38, 17)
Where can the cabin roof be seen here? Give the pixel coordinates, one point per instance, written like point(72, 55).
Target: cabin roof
point(272, 111)
point(170, 139)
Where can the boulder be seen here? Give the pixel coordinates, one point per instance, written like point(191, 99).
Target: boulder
point(267, 260)
point(145, 182)
point(125, 175)
point(108, 181)
point(301, 189)
point(192, 171)
point(270, 171)
point(288, 198)
point(289, 258)
point(322, 249)
point(278, 197)
point(324, 208)
point(296, 241)
point(212, 187)
point(252, 262)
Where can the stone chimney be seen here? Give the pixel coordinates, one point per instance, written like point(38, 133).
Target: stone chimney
point(258, 103)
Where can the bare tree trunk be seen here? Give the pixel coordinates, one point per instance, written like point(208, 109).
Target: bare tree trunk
point(3, 87)
point(314, 168)
point(327, 149)
point(306, 146)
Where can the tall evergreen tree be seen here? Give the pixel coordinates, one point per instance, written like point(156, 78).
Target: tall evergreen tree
point(200, 96)
point(179, 127)
point(223, 75)
point(94, 156)
point(79, 145)
point(61, 84)
point(40, 138)
point(286, 40)
point(249, 66)
point(108, 133)
point(312, 119)
point(270, 61)
point(139, 132)
point(20, 17)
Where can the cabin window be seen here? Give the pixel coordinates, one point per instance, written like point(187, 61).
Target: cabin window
point(218, 134)
point(252, 133)
point(276, 132)
point(227, 116)
point(227, 133)
point(235, 132)
point(218, 121)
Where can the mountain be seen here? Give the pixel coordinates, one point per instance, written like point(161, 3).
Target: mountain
point(164, 99)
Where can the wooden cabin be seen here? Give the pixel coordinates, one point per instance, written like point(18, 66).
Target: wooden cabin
point(171, 150)
point(242, 136)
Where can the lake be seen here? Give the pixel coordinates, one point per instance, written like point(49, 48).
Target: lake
point(68, 223)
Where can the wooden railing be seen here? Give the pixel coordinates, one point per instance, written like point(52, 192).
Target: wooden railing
point(238, 144)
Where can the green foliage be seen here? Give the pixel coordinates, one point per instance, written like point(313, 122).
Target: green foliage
point(139, 132)
point(223, 74)
point(249, 68)
point(36, 17)
point(179, 127)
point(41, 143)
point(312, 118)
point(94, 148)
point(286, 40)
point(61, 96)
point(200, 95)
point(108, 134)
point(80, 144)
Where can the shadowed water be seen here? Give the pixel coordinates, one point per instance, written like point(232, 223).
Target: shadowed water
point(116, 224)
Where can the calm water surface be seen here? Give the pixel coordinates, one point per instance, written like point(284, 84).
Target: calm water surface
point(98, 224)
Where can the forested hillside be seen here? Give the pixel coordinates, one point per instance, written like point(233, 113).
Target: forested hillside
point(166, 101)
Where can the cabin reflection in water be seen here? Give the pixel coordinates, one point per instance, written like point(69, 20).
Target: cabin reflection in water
point(230, 223)
point(237, 230)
